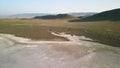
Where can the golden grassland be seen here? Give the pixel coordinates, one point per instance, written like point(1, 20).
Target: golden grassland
point(107, 32)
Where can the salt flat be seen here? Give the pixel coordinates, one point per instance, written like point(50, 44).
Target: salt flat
point(17, 52)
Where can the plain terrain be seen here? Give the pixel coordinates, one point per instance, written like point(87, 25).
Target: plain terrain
point(107, 32)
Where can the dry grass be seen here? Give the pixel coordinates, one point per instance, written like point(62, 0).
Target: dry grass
point(39, 29)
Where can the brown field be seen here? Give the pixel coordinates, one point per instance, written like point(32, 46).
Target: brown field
point(106, 32)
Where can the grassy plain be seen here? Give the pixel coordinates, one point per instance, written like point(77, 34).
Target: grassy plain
point(107, 32)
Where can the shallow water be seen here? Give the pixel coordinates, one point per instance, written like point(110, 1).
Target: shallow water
point(16, 52)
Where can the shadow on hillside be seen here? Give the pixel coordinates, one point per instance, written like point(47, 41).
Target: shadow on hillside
point(93, 20)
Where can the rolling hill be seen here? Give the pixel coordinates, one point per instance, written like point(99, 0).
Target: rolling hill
point(77, 14)
point(59, 16)
point(31, 15)
point(111, 15)
point(27, 15)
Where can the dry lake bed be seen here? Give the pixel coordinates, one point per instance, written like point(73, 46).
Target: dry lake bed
point(78, 52)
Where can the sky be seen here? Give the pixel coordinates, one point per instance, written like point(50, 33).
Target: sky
point(8, 7)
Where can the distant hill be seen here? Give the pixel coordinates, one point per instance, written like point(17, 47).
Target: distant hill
point(82, 14)
point(59, 16)
point(111, 15)
point(27, 15)
point(31, 15)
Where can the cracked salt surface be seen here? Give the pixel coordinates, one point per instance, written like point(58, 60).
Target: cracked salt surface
point(17, 52)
